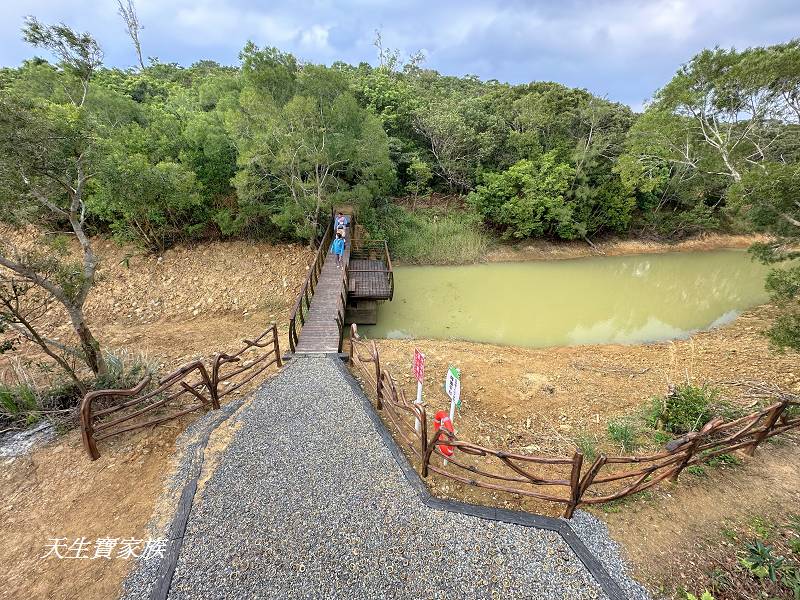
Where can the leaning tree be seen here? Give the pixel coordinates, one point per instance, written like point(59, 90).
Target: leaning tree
point(47, 148)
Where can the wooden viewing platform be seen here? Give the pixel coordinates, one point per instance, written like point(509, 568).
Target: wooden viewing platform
point(332, 296)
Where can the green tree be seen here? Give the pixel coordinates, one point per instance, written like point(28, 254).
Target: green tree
point(153, 204)
point(418, 175)
point(770, 199)
point(293, 157)
point(46, 157)
point(528, 199)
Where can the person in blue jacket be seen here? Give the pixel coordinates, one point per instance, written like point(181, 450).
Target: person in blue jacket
point(337, 247)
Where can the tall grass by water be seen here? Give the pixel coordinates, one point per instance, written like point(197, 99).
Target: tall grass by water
point(436, 238)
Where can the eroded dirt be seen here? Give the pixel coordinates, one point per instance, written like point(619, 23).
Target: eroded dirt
point(672, 537)
point(191, 302)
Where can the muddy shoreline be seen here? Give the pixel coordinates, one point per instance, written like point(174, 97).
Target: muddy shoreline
point(546, 250)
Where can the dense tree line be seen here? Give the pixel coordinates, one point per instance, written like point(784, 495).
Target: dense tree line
point(164, 153)
point(263, 149)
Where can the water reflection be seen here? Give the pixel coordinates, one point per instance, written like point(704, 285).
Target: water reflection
point(586, 301)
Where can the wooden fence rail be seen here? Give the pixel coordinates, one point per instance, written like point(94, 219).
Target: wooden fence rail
point(200, 384)
point(566, 480)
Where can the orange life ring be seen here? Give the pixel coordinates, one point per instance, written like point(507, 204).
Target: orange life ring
point(442, 419)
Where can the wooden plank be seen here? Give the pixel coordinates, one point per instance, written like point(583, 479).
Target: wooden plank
point(321, 333)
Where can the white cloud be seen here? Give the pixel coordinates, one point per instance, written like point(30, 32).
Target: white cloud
point(316, 37)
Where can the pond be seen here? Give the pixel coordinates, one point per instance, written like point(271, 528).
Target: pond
point(620, 299)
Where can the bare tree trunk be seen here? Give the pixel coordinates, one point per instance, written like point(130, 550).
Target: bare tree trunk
point(89, 345)
point(128, 13)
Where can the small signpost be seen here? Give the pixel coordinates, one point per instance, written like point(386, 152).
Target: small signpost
point(452, 385)
point(419, 375)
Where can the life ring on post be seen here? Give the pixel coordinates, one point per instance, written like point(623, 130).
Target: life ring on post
point(442, 420)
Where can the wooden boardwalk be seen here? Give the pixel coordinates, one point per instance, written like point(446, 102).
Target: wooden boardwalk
point(321, 331)
point(317, 320)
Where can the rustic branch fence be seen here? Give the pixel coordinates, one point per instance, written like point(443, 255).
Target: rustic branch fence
point(202, 385)
point(566, 480)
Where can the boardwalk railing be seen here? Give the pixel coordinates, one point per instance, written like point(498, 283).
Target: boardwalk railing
point(303, 302)
point(375, 251)
point(200, 385)
point(566, 480)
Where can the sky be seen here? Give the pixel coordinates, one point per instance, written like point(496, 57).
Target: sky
point(623, 50)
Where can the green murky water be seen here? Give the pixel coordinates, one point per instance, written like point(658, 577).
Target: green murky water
point(624, 299)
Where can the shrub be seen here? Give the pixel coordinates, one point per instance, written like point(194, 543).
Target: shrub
point(125, 370)
point(760, 561)
point(528, 199)
point(686, 409)
point(18, 404)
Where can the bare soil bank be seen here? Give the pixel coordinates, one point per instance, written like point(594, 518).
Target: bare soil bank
point(190, 302)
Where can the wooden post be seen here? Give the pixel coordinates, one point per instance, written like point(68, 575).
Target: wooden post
point(574, 484)
point(423, 432)
point(276, 344)
point(772, 417)
point(692, 445)
point(378, 391)
point(87, 433)
point(292, 334)
point(584, 484)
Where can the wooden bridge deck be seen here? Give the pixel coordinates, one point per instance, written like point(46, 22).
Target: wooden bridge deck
point(368, 279)
point(316, 323)
point(320, 333)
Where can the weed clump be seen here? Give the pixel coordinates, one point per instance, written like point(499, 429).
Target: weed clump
point(623, 433)
point(686, 408)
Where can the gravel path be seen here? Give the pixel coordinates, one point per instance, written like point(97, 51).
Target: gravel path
point(307, 502)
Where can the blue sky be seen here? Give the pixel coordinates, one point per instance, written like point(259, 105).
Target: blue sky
point(621, 49)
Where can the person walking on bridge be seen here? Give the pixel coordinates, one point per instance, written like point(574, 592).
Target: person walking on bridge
point(337, 247)
point(340, 223)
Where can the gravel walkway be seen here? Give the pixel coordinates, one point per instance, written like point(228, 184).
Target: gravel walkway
point(307, 502)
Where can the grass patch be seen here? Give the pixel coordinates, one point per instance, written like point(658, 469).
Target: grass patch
point(435, 237)
point(586, 444)
point(623, 433)
point(725, 460)
point(696, 470)
point(616, 506)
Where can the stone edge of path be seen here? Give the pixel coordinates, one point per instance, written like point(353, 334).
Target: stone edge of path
point(596, 569)
point(152, 578)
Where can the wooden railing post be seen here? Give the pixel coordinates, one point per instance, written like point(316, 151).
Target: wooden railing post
point(584, 484)
point(87, 431)
point(292, 334)
point(772, 417)
point(276, 344)
point(423, 431)
point(378, 388)
point(692, 445)
point(574, 484)
point(353, 336)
